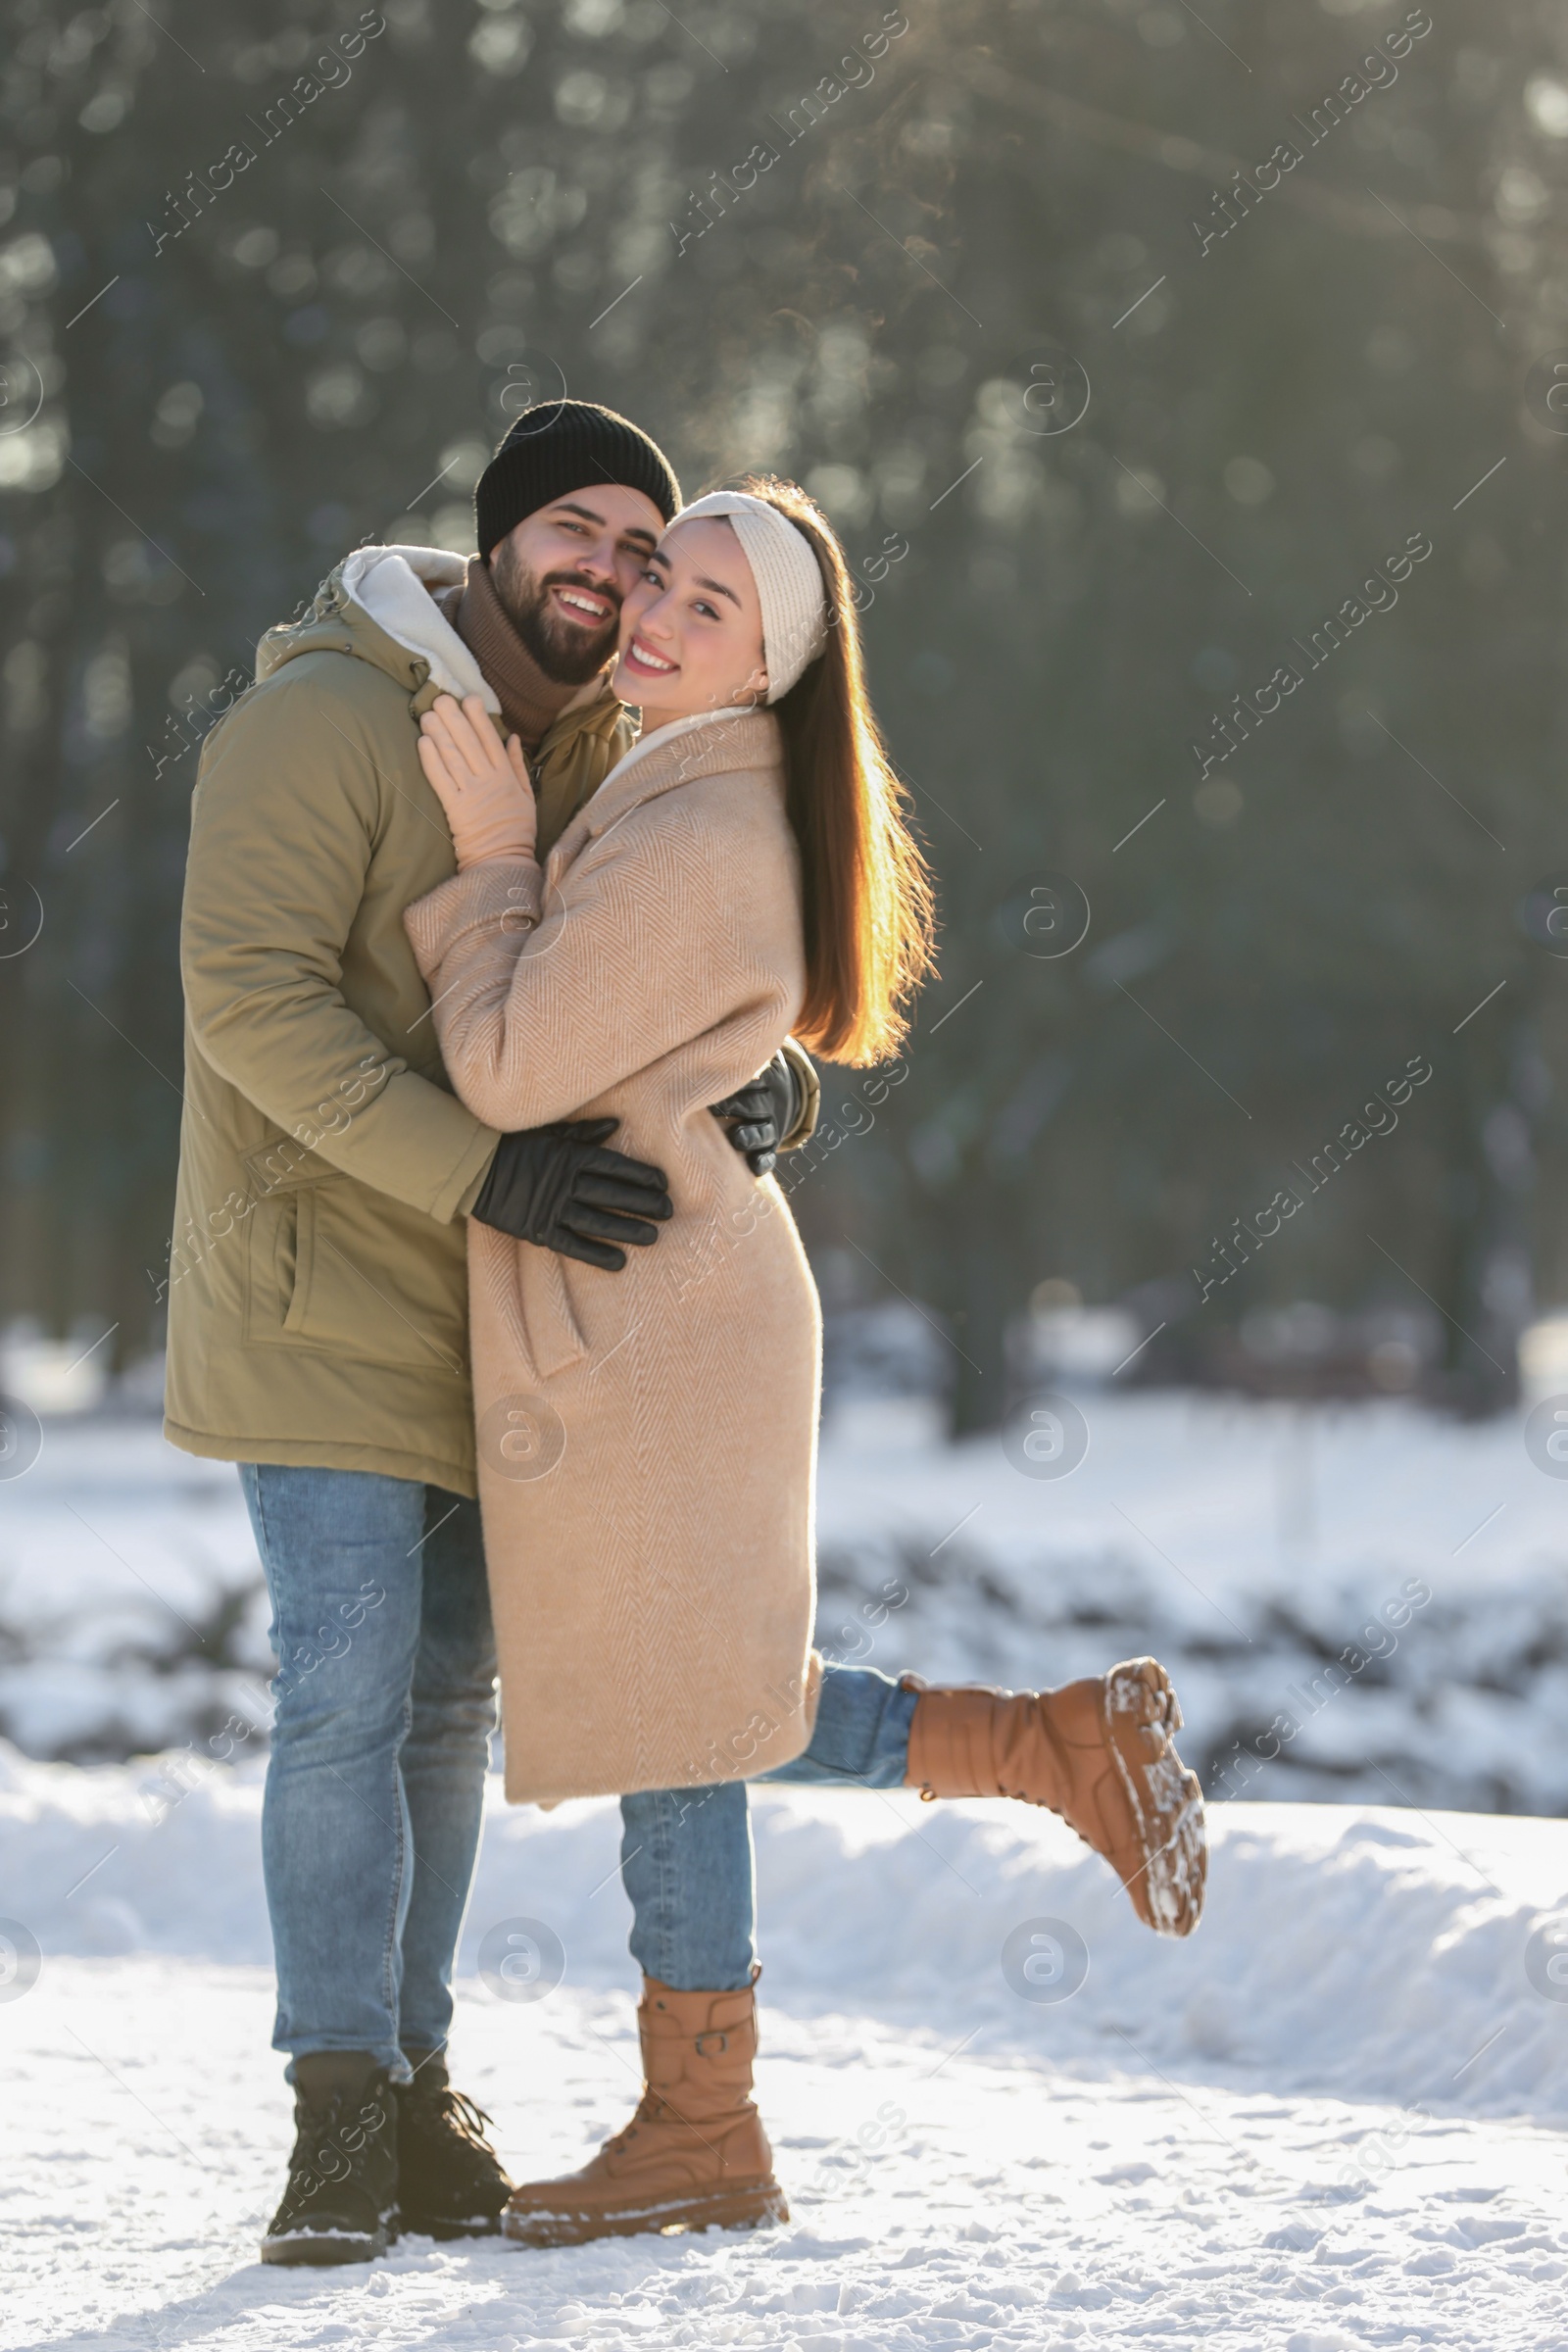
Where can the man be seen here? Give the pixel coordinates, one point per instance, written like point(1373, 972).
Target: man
point(318, 1297)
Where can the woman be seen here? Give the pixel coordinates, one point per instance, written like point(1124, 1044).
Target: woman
point(648, 1500)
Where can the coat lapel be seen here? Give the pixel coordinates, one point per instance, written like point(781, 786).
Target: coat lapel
point(710, 746)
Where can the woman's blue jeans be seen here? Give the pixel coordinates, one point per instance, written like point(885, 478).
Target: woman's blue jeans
point(686, 1858)
point(385, 1702)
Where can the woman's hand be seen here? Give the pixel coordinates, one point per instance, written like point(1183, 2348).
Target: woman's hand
point(484, 789)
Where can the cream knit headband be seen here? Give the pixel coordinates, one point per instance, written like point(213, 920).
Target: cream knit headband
point(789, 582)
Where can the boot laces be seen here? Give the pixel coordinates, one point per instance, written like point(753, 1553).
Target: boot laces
point(464, 2117)
point(319, 2118)
point(319, 2159)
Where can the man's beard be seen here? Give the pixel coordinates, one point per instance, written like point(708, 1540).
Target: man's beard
point(567, 654)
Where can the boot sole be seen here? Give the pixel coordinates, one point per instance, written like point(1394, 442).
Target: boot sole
point(425, 2224)
point(1177, 1873)
point(723, 2209)
point(321, 2250)
point(1175, 1870)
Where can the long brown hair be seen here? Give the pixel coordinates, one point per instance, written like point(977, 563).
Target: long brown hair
point(865, 888)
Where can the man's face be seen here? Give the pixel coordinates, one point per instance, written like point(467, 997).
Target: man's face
point(563, 572)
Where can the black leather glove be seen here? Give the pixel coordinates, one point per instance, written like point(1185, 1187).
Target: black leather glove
point(760, 1112)
point(559, 1189)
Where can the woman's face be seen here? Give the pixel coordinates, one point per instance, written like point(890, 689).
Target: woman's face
point(691, 629)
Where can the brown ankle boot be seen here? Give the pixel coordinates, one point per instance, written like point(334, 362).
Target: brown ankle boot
point(695, 2155)
point(1101, 1753)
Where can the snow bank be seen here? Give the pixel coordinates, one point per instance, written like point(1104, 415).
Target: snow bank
point(1375, 1954)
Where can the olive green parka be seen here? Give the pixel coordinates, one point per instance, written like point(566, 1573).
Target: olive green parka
point(318, 1307)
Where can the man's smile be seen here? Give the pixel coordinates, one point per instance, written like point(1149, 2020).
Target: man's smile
point(585, 608)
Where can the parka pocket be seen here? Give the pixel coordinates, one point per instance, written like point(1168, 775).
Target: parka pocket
point(358, 1275)
point(271, 1265)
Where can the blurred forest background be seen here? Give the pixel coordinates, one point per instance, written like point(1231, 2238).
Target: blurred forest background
point(219, 376)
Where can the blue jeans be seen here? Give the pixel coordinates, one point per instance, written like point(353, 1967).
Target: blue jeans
point(385, 1702)
point(686, 1858)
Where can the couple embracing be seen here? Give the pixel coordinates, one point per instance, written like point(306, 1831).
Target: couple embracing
point(503, 1393)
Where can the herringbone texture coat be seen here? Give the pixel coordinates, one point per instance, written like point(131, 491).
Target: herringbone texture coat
point(647, 1438)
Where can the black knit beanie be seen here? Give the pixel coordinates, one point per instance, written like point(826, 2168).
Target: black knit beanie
point(567, 445)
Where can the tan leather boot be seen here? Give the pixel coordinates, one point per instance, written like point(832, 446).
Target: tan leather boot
point(695, 2155)
point(1101, 1753)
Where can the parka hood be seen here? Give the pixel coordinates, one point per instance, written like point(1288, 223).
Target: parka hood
point(379, 605)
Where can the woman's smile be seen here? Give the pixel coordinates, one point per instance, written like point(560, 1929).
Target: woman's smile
point(641, 658)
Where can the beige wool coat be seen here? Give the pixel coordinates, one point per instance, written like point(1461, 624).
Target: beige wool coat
point(646, 1439)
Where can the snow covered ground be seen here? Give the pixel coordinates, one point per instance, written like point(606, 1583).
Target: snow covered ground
point(1332, 2121)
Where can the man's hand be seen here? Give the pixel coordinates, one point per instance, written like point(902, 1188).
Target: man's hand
point(559, 1189)
point(760, 1112)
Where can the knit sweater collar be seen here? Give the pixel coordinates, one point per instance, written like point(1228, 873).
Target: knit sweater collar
point(530, 702)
